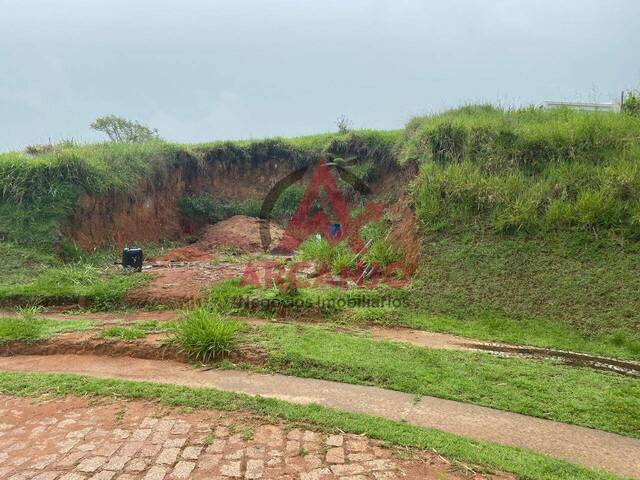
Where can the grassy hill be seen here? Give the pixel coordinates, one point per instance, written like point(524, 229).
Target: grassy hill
point(531, 215)
point(527, 215)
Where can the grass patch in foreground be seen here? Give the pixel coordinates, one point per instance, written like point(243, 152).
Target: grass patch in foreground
point(136, 330)
point(619, 343)
point(525, 464)
point(232, 298)
point(537, 332)
point(34, 329)
point(73, 283)
point(37, 276)
point(538, 388)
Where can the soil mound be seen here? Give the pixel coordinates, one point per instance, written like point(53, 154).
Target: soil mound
point(238, 234)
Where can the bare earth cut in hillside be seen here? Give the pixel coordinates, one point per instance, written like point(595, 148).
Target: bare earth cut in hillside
point(239, 234)
point(181, 275)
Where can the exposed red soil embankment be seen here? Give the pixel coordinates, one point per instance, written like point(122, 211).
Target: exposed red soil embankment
point(183, 274)
point(151, 347)
point(150, 213)
point(238, 234)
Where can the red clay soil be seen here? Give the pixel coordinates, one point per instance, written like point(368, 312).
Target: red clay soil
point(240, 233)
point(149, 212)
point(182, 275)
point(151, 347)
point(182, 285)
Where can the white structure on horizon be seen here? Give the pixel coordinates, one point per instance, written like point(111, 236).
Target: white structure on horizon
point(585, 106)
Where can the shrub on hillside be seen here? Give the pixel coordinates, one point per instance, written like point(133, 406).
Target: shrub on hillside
point(528, 171)
point(205, 335)
point(631, 104)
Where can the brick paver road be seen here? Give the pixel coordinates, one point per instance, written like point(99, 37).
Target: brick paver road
point(74, 439)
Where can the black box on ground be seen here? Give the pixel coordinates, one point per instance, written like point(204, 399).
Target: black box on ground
point(132, 257)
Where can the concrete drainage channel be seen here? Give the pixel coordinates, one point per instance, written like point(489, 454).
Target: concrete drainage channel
point(628, 368)
point(446, 341)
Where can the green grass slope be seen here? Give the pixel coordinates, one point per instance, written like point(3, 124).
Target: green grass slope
point(530, 215)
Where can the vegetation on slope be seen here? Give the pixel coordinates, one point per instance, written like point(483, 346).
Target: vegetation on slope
point(528, 171)
point(530, 214)
point(539, 388)
point(590, 284)
point(37, 192)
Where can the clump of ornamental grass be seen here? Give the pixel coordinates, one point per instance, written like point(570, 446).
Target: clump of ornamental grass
point(205, 335)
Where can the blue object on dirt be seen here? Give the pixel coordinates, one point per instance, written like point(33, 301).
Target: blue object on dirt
point(334, 230)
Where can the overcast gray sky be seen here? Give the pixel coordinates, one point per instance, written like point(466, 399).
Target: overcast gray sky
point(202, 70)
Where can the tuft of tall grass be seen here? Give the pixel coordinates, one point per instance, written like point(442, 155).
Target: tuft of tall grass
point(336, 257)
point(205, 335)
point(381, 253)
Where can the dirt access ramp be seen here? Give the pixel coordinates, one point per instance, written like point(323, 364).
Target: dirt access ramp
point(181, 276)
point(583, 446)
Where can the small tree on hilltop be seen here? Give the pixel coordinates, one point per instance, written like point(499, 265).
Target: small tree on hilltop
point(121, 130)
point(344, 124)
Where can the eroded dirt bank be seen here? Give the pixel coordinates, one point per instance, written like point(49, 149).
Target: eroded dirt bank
point(151, 212)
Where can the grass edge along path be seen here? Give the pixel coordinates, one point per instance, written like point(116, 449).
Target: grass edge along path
point(543, 389)
point(525, 464)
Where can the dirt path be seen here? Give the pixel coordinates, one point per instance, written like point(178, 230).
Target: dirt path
point(418, 338)
point(79, 438)
point(127, 316)
point(587, 447)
